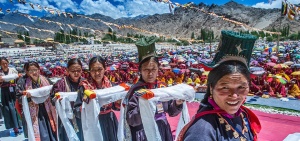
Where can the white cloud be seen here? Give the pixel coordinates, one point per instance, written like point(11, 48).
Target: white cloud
point(145, 7)
point(119, 0)
point(121, 7)
point(130, 8)
point(102, 7)
point(65, 4)
point(23, 8)
point(274, 4)
point(61, 5)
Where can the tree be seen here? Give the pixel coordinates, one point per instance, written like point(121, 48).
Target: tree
point(109, 30)
point(68, 39)
point(27, 39)
point(182, 43)
point(110, 35)
point(274, 30)
point(107, 37)
point(269, 39)
point(136, 36)
point(288, 30)
point(193, 36)
point(62, 36)
point(35, 41)
point(203, 35)
point(20, 36)
point(114, 37)
point(293, 36)
point(261, 34)
point(59, 36)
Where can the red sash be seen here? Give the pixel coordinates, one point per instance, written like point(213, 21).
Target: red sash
point(254, 122)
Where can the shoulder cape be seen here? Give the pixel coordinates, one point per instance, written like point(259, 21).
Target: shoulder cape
point(254, 122)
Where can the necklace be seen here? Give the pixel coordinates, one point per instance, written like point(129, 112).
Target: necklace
point(236, 134)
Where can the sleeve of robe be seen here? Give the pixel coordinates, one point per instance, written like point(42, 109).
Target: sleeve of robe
point(57, 87)
point(271, 92)
point(173, 109)
point(78, 102)
point(20, 88)
point(133, 116)
point(202, 130)
point(255, 86)
point(282, 90)
point(50, 82)
point(116, 105)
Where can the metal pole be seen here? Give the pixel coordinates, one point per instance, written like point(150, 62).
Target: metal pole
point(210, 38)
point(278, 36)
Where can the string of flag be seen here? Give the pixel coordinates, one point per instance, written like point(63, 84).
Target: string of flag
point(290, 10)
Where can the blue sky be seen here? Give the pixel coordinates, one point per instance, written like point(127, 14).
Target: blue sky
point(119, 8)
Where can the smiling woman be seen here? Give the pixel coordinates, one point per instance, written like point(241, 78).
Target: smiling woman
point(97, 80)
point(8, 97)
point(221, 115)
point(69, 83)
point(135, 126)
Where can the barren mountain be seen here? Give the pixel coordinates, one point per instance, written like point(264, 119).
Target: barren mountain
point(181, 24)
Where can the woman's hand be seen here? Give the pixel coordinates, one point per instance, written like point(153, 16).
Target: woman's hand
point(179, 102)
point(1, 79)
point(118, 101)
point(146, 94)
point(28, 95)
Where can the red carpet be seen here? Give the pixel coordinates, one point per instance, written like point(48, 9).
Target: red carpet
point(275, 127)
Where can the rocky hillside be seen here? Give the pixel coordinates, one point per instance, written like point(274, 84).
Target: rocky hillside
point(180, 24)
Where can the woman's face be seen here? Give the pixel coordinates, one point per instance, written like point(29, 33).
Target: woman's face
point(4, 65)
point(74, 72)
point(33, 72)
point(230, 92)
point(97, 71)
point(149, 71)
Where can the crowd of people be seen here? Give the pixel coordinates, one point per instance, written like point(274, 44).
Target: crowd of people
point(221, 114)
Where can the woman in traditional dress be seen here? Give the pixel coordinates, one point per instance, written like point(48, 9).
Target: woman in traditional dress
point(8, 97)
point(42, 114)
point(148, 67)
point(19, 92)
point(221, 114)
point(69, 83)
point(97, 80)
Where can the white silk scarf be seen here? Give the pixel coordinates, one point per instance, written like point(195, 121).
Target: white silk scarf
point(89, 113)
point(38, 95)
